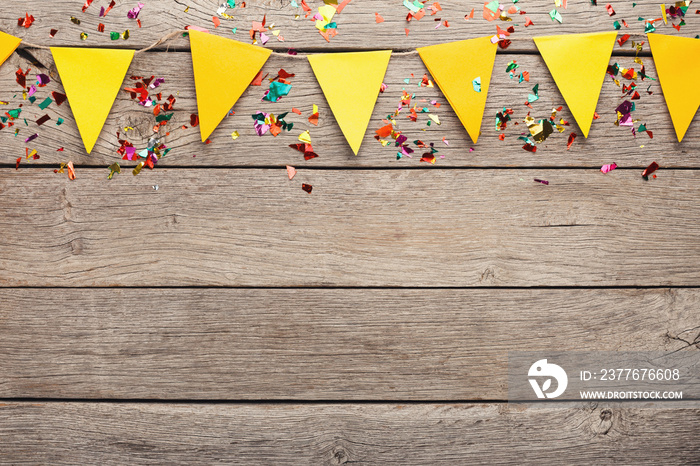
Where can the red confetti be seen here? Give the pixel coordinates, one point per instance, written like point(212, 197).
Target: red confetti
point(53, 32)
point(58, 97)
point(609, 7)
point(307, 187)
point(19, 159)
point(100, 27)
point(623, 39)
point(25, 22)
point(43, 120)
point(86, 5)
point(21, 77)
point(572, 137)
point(305, 149)
point(428, 157)
point(194, 120)
point(649, 170)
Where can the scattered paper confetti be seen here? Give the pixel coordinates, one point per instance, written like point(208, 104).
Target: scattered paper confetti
point(291, 171)
point(608, 167)
point(649, 170)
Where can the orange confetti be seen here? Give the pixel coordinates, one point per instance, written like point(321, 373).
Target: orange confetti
point(406, 29)
point(257, 80)
point(528, 22)
point(71, 170)
point(470, 15)
point(296, 110)
point(217, 21)
point(378, 18)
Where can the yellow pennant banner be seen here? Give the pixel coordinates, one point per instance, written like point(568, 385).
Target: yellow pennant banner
point(351, 82)
point(223, 69)
point(578, 80)
point(677, 61)
point(8, 44)
point(462, 71)
point(92, 79)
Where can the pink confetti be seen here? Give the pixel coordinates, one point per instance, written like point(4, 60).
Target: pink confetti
point(134, 12)
point(608, 167)
point(291, 171)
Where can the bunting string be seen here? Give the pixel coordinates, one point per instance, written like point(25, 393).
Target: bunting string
point(352, 100)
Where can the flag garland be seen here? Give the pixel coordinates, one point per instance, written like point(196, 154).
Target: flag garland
point(352, 105)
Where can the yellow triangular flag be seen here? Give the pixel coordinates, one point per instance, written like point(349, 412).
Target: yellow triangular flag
point(351, 81)
point(223, 69)
point(91, 79)
point(8, 44)
point(677, 64)
point(459, 69)
point(578, 63)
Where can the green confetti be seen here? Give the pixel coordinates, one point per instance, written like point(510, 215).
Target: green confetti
point(45, 103)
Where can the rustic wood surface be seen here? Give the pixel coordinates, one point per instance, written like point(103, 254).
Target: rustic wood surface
point(105, 433)
point(405, 228)
point(212, 311)
point(356, 22)
point(315, 344)
point(606, 142)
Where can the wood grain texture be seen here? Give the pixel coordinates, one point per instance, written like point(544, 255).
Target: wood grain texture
point(85, 433)
point(355, 24)
point(315, 344)
point(406, 228)
point(606, 143)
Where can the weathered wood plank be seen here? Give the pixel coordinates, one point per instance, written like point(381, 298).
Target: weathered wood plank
point(255, 227)
point(356, 23)
point(86, 433)
point(606, 142)
point(312, 344)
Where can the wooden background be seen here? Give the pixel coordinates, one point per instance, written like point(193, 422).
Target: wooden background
point(229, 316)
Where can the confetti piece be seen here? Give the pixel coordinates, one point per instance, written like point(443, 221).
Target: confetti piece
point(608, 167)
point(609, 7)
point(378, 18)
point(307, 187)
point(134, 12)
point(305, 149)
point(71, 170)
point(305, 137)
point(572, 137)
point(114, 168)
point(469, 16)
point(235, 135)
point(649, 170)
point(291, 171)
point(476, 84)
point(555, 16)
point(542, 181)
point(27, 21)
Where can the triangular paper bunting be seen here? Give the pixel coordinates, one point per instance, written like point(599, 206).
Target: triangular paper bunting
point(8, 44)
point(578, 63)
point(91, 79)
point(677, 61)
point(462, 71)
point(351, 81)
point(223, 69)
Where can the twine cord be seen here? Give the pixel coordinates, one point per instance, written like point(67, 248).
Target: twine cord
point(175, 34)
